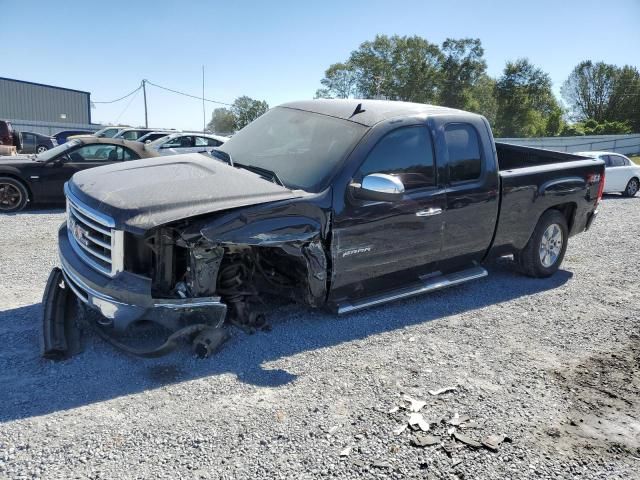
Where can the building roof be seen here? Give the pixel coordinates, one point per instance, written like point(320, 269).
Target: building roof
point(44, 85)
point(373, 111)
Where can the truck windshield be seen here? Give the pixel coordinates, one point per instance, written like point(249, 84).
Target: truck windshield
point(301, 148)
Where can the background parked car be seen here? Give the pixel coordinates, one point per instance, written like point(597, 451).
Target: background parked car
point(41, 178)
point(61, 136)
point(106, 132)
point(9, 136)
point(152, 136)
point(137, 133)
point(621, 174)
point(37, 143)
point(186, 143)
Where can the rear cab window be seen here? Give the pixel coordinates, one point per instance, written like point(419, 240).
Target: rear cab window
point(463, 148)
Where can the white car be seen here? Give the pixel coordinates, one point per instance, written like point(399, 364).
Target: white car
point(186, 143)
point(621, 174)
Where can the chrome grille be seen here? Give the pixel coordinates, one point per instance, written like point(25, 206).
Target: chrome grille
point(93, 237)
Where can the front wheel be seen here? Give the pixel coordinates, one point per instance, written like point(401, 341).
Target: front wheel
point(41, 149)
point(13, 195)
point(632, 188)
point(544, 252)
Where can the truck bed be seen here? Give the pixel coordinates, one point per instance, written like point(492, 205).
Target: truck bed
point(512, 157)
point(533, 180)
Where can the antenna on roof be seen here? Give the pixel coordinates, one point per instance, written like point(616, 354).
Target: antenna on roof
point(358, 110)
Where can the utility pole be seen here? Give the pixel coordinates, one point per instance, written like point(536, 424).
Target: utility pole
point(144, 92)
point(204, 115)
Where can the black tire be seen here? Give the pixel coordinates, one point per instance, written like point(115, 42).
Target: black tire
point(41, 148)
point(632, 188)
point(14, 195)
point(541, 257)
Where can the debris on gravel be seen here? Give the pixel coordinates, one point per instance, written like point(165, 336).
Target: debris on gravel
point(553, 364)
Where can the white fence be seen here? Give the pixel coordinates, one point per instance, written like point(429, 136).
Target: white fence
point(625, 144)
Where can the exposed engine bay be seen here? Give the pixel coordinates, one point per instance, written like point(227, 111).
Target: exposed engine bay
point(185, 266)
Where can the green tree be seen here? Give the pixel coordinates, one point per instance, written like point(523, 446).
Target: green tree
point(625, 98)
point(524, 99)
point(482, 98)
point(463, 66)
point(397, 68)
point(339, 82)
point(246, 110)
point(222, 121)
point(588, 90)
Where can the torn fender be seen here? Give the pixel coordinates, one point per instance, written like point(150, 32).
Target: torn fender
point(297, 228)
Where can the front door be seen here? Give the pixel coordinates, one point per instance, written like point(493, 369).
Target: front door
point(87, 156)
point(375, 242)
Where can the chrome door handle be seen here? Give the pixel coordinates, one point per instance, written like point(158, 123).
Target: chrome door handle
point(429, 212)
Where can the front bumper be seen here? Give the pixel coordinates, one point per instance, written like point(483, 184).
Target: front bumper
point(126, 298)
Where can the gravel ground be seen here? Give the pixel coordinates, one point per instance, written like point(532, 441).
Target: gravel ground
point(552, 364)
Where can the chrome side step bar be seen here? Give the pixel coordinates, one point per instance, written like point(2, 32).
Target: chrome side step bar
point(427, 284)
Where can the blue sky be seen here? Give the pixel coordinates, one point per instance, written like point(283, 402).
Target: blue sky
point(278, 50)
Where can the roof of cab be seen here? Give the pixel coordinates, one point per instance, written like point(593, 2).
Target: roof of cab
point(373, 111)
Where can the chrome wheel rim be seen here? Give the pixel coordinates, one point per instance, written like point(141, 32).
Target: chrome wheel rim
point(10, 196)
point(41, 149)
point(550, 245)
point(632, 189)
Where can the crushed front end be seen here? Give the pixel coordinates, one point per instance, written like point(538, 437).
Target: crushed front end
point(187, 277)
point(125, 290)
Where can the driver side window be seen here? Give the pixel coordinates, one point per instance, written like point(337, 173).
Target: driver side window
point(406, 153)
point(97, 153)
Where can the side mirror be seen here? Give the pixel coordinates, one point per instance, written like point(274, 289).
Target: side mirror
point(379, 187)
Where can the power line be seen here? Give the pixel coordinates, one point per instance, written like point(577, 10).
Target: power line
point(188, 94)
point(127, 106)
point(121, 98)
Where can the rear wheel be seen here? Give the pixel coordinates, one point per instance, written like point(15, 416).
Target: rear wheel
point(41, 149)
point(13, 195)
point(544, 252)
point(632, 188)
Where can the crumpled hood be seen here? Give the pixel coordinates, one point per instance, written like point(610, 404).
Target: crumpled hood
point(143, 194)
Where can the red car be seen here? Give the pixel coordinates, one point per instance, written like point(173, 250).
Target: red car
point(9, 136)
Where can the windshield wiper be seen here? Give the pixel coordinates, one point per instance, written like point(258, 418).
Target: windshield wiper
point(222, 156)
point(263, 172)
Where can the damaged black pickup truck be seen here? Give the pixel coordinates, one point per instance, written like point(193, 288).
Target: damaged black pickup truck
point(343, 204)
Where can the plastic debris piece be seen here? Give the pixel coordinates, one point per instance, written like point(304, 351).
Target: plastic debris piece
point(381, 464)
point(424, 440)
point(451, 431)
point(441, 391)
point(467, 440)
point(394, 409)
point(449, 448)
point(416, 405)
point(332, 430)
point(400, 429)
point(492, 442)
point(457, 420)
point(470, 424)
point(416, 420)
point(346, 451)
